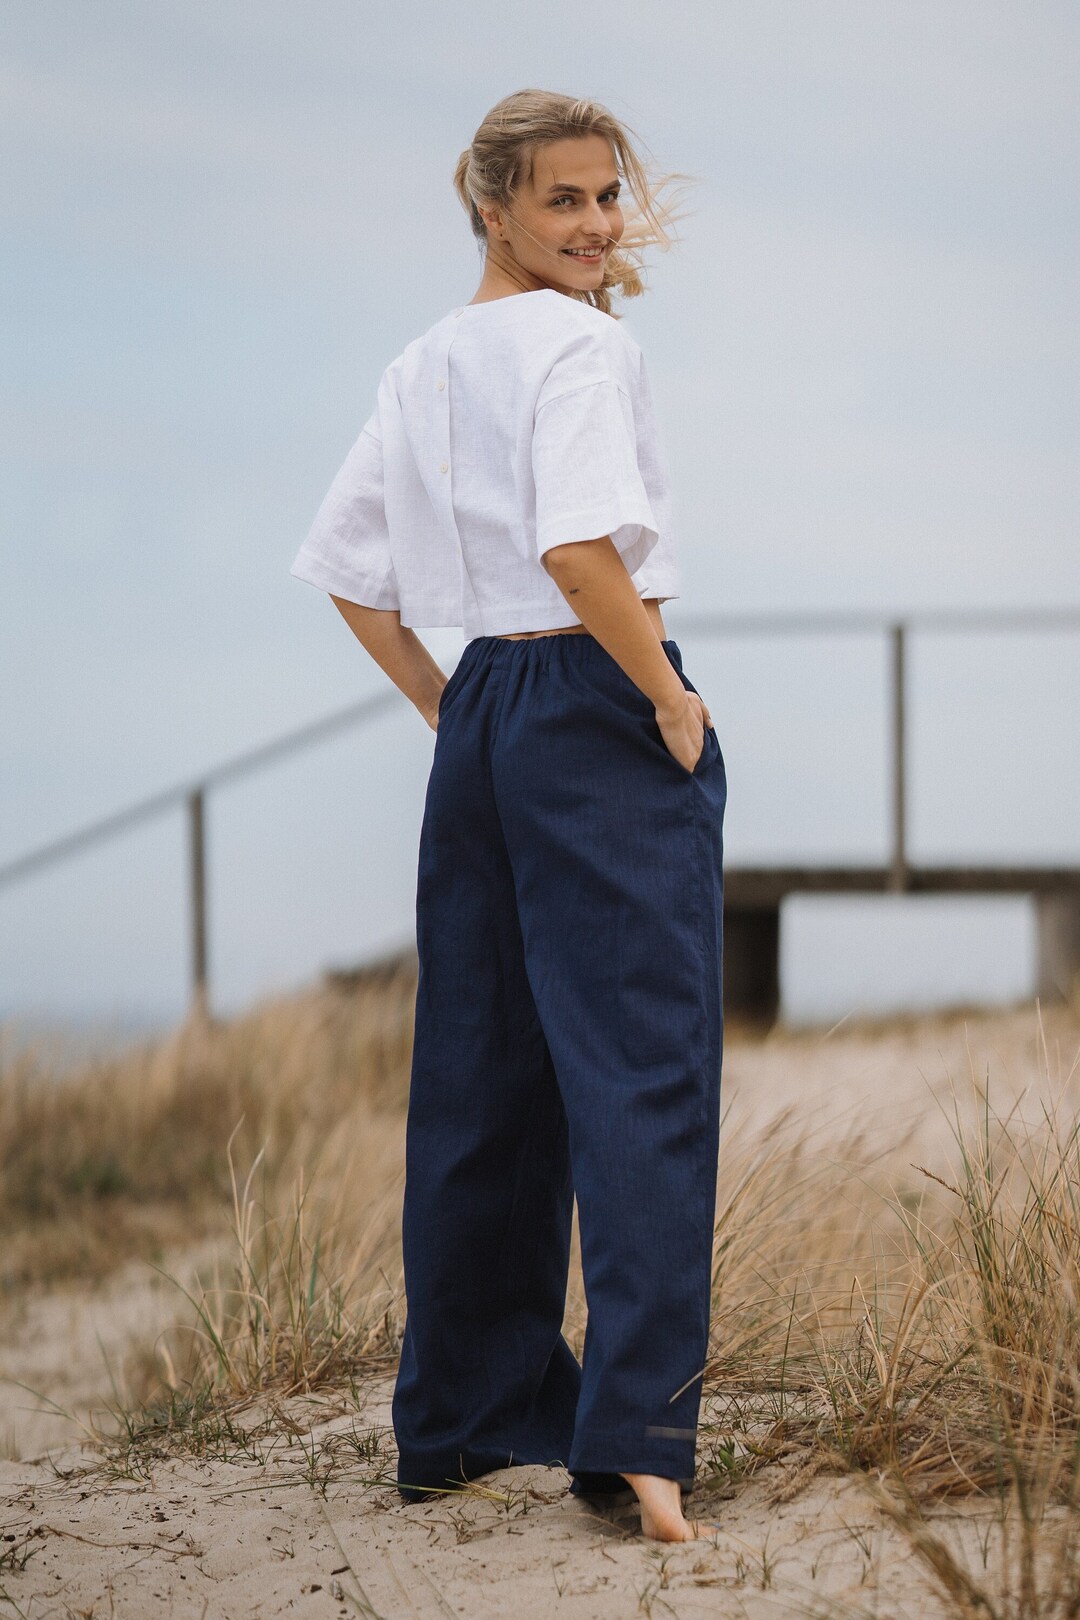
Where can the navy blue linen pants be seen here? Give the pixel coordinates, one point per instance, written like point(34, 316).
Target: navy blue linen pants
point(568, 1039)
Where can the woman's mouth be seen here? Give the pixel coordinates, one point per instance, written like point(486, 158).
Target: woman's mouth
point(584, 255)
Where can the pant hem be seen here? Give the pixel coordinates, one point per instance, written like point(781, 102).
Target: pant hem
point(419, 1484)
point(609, 1490)
point(615, 1456)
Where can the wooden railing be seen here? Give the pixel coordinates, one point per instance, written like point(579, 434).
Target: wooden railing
point(766, 884)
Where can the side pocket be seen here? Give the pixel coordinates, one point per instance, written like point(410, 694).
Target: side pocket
point(629, 689)
point(450, 686)
point(708, 750)
point(641, 705)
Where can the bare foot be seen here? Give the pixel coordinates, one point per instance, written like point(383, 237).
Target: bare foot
point(662, 1516)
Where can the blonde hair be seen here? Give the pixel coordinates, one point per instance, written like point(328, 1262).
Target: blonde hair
point(501, 158)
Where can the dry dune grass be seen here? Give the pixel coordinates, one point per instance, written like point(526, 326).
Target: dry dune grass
point(923, 1334)
point(914, 1323)
point(130, 1153)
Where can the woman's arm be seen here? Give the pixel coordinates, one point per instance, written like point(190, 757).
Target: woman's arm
point(593, 578)
point(399, 652)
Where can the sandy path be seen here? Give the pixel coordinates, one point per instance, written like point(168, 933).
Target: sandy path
point(255, 1536)
point(233, 1540)
point(71, 1344)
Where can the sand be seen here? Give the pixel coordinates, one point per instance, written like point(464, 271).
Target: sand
point(308, 1522)
point(247, 1539)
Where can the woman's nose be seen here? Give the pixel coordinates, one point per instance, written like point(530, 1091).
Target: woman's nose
point(600, 221)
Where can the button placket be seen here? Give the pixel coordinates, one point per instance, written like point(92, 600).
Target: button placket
point(470, 606)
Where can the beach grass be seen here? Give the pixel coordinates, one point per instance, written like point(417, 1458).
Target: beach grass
point(911, 1324)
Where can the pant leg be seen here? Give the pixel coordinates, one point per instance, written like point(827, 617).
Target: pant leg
point(485, 1377)
point(617, 857)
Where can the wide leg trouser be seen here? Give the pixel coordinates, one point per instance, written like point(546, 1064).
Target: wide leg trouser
point(568, 1039)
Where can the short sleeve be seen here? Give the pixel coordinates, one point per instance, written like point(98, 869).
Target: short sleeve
point(584, 456)
point(347, 550)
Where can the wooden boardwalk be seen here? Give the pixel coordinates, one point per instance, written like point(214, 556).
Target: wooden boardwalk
point(753, 895)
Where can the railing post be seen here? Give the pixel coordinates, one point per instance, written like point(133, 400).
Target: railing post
point(898, 877)
point(200, 1000)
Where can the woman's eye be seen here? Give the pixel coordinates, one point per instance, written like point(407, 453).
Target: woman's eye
point(614, 195)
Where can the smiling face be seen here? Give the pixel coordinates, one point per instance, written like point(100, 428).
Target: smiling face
point(562, 222)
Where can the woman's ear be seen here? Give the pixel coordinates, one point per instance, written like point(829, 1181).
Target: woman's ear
point(492, 219)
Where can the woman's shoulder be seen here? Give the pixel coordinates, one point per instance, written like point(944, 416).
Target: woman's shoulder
point(571, 318)
point(582, 344)
point(545, 316)
point(420, 344)
point(544, 334)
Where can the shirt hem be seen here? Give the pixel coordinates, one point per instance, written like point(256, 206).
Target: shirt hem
point(540, 615)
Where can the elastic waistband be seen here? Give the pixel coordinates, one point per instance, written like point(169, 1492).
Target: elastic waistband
point(498, 651)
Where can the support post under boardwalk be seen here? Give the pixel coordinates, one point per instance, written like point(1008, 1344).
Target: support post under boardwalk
point(752, 962)
point(1058, 921)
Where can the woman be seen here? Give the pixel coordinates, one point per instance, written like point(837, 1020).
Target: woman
point(568, 1027)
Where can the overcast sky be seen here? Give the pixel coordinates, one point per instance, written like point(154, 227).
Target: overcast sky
point(221, 221)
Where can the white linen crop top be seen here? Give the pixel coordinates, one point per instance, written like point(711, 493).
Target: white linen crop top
point(509, 427)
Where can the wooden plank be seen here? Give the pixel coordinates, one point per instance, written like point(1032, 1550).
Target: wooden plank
point(767, 885)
